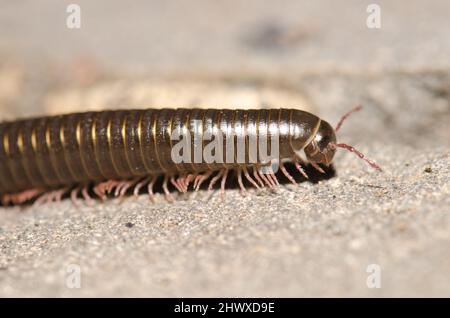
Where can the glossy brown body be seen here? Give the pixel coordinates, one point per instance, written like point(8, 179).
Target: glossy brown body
point(81, 148)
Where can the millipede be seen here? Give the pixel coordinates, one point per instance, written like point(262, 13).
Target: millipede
point(110, 153)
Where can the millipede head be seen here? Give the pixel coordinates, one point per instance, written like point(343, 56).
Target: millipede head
point(320, 149)
point(323, 147)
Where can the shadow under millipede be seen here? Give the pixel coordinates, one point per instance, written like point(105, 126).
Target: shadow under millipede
point(314, 177)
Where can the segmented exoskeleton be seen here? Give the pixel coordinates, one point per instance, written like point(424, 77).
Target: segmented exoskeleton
point(108, 151)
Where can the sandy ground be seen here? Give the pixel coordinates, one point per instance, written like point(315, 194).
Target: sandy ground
point(314, 239)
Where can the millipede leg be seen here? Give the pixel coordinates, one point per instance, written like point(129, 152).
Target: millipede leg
point(139, 186)
point(112, 185)
point(86, 196)
point(74, 194)
point(150, 189)
point(300, 169)
point(45, 197)
point(176, 183)
point(51, 196)
point(241, 184)
point(268, 182)
point(200, 179)
point(222, 184)
point(98, 191)
point(273, 177)
point(189, 178)
point(180, 181)
point(120, 186)
point(257, 177)
point(317, 167)
point(127, 185)
point(21, 197)
point(102, 188)
point(169, 196)
point(267, 178)
point(287, 174)
point(59, 194)
point(249, 178)
point(215, 178)
point(184, 181)
point(108, 186)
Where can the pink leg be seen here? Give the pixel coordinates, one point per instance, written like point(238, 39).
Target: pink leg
point(300, 169)
point(189, 178)
point(274, 177)
point(249, 178)
point(317, 167)
point(43, 198)
point(257, 177)
point(268, 178)
point(110, 185)
point(286, 173)
point(86, 196)
point(222, 184)
point(22, 197)
point(51, 196)
point(215, 178)
point(119, 187)
point(200, 179)
point(176, 183)
point(241, 185)
point(184, 182)
point(99, 190)
point(139, 186)
point(128, 185)
point(106, 187)
point(74, 194)
point(268, 181)
point(150, 189)
point(169, 196)
point(59, 194)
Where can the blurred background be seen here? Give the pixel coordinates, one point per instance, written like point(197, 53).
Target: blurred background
point(322, 56)
point(393, 57)
point(271, 37)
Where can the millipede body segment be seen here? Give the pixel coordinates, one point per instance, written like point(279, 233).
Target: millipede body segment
point(129, 148)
